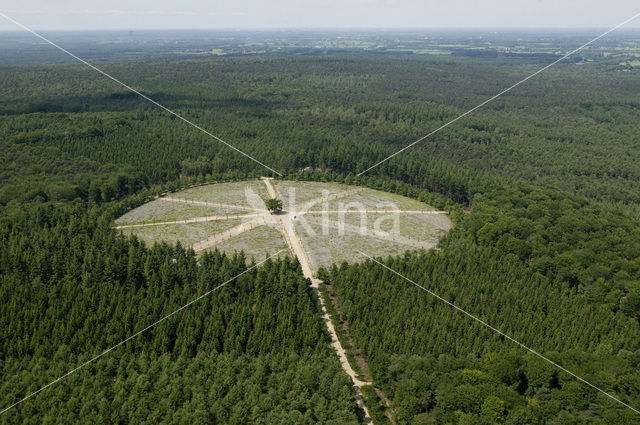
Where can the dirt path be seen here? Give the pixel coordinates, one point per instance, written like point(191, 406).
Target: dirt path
point(387, 403)
point(270, 189)
point(295, 243)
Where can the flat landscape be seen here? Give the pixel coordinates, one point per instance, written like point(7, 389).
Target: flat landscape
point(411, 226)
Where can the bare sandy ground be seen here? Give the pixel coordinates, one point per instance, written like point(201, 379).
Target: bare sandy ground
point(190, 220)
point(221, 237)
point(209, 204)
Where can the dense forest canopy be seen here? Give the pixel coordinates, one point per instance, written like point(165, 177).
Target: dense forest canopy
point(543, 186)
point(253, 352)
point(573, 128)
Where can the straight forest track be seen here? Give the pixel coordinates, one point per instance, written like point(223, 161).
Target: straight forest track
point(296, 245)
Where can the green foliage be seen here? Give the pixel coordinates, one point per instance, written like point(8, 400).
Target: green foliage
point(254, 351)
point(552, 261)
point(375, 406)
point(529, 262)
point(64, 127)
point(274, 205)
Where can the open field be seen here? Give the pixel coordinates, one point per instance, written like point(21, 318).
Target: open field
point(245, 193)
point(257, 243)
point(369, 199)
point(300, 193)
point(331, 220)
point(161, 210)
point(187, 234)
point(419, 227)
point(325, 249)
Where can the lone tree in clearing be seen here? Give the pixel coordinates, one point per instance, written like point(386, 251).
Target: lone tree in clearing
point(274, 205)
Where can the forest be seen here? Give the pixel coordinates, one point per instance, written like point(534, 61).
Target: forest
point(255, 352)
point(553, 273)
point(542, 185)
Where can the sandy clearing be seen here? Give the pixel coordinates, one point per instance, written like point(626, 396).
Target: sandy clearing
point(331, 197)
point(379, 234)
point(220, 237)
point(355, 211)
point(190, 220)
point(210, 204)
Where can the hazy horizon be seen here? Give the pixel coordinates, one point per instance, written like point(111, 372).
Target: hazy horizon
point(75, 15)
point(331, 29)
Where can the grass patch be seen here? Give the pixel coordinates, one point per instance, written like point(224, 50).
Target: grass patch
point(256, 243)
point(302, 192)
point(327, 249)
point(160, 210)
point(187, 234)
point(227, 193)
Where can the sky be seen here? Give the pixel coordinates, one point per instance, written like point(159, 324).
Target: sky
point(247, 14)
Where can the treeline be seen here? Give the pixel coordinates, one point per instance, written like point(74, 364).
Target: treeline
point(254, 351)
